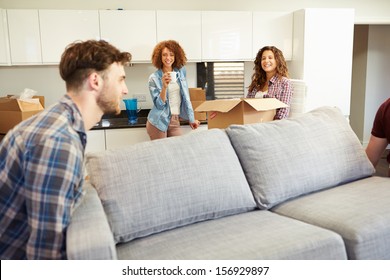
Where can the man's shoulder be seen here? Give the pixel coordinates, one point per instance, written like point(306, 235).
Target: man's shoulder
point(384, 110)
point(386, 105)
point(51, 122)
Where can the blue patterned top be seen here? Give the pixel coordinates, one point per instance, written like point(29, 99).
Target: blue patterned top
point(41, 174)
point(160, 115)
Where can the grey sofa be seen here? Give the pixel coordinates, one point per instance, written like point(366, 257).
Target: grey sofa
point(300, 188)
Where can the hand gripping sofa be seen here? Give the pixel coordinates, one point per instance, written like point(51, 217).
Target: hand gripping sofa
point(300, 188)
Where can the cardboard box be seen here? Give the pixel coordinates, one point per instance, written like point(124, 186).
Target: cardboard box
point(197, 97)
point(13, 111)
point(200, 116)
point(197, 94)
point(240, 111)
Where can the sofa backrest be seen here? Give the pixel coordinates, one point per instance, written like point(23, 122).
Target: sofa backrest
point(291, 157)
point(163, 184)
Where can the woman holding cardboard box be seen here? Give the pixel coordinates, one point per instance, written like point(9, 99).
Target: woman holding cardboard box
point(271, 79)
point(169, 90)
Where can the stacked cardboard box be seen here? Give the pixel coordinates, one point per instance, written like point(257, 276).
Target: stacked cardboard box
point(197, 97)
point(13, 111)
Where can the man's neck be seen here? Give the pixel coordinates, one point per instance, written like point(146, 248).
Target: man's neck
point(86, 103)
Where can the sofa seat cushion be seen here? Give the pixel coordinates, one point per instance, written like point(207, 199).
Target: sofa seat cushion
point(253, 235)
point(358, 211)
point(291, 157)
point(158, 185)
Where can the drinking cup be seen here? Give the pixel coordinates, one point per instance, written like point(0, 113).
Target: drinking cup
point(173, 76)
point(131, 110)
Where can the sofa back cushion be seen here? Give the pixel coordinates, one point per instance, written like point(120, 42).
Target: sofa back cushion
point(291, 157)
point(163, 184)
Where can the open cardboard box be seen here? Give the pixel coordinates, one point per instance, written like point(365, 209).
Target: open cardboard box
point(240, 111)
point(13, 111)
point(197, 97)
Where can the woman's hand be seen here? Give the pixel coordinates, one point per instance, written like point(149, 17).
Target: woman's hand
point(166, 79)
point(195, 124)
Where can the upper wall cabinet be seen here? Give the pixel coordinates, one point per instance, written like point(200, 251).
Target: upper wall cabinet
point(5, 55)
point(226, 35)
point(24, 37)
point(59, 28)
point(132, 31)
point(170, 27)
point(273, 29)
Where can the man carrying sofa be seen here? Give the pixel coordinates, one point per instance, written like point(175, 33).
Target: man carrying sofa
point(380, 135)
point(41, 159)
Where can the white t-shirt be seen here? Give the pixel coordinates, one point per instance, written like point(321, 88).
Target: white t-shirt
point(260, 94)
point(174, 97)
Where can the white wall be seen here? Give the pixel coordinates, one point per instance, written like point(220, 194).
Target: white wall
point(378, 74)
point(326, 51)
point(370, 77)
point(359, 73)
point(374, 11)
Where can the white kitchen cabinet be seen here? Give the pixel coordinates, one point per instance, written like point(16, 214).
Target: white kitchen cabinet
point(273, 29)
point(184, 27)
point(132, 31)
point(227, 36)
point(59, 28)
point(116, 138)
point(5, 55)
point(96, 141)
point(24, 37)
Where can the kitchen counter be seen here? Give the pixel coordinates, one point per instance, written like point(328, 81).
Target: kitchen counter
point(121, 121)
point(112, 121)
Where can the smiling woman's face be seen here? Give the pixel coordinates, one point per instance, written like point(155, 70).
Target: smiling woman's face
point(268, 62)
point(168, 58)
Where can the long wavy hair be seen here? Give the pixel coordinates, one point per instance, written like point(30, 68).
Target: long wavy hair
point(173, 46)
point(259, 77)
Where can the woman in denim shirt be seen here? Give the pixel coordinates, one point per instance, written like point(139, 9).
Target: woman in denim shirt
point(171, 98)
point(271, 79)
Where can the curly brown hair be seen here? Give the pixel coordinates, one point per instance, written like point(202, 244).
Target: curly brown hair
point(80, 59)
point(173, 46)
point(259, 78)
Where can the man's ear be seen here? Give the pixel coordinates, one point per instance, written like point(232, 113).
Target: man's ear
point(94, 81)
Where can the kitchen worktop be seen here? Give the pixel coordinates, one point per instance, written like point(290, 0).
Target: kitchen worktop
point(121, 121)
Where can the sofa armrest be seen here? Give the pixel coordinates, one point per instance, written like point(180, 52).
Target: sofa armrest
point(89, 236)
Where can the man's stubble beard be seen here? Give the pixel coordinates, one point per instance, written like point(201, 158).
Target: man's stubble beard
point(108, 105)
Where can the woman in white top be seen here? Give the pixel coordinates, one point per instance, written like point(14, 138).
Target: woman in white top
point(171, 98)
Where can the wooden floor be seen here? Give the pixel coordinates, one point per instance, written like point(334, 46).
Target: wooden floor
point(382, 169)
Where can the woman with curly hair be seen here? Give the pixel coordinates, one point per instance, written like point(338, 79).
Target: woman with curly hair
point(171, 98)
point(271, 79)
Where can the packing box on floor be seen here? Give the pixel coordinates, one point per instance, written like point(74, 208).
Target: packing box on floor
point(224, 112)
point(13, 111)
point(197, 97)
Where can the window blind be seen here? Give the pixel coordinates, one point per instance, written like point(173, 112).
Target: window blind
point(228, 80)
